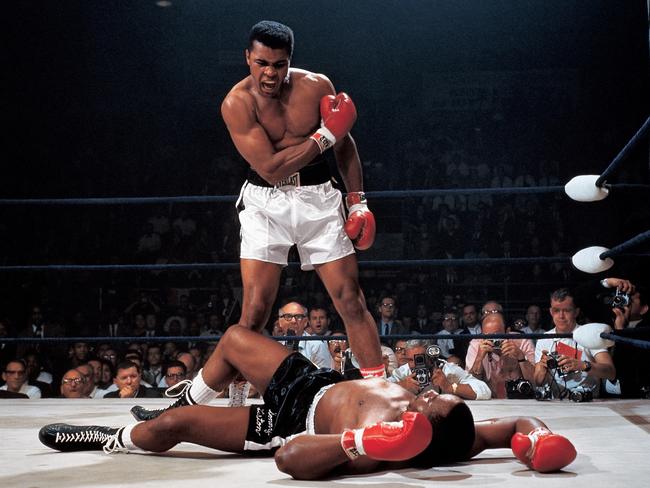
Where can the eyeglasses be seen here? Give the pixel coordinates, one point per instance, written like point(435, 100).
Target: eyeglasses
point(450, 318)
point(109, 356)
point(17, 372)
point(557, 311)
point(293, 316)
point(75, 381)
point(400, 349)
point(388, 305)
point(488, 312)
point(175, 375)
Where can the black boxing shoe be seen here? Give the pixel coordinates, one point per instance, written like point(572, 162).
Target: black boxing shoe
point(180, 390)
point(67, 438)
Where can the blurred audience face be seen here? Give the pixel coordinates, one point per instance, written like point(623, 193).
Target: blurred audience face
point(97, 370)
point(80, 351)
point(188, 360)
point(470, 316)
point(110, 355)
point(154, 356)
point(564, 314)
point(107, 374)
point(387, 308)
point(450, 322)
point(318, 321)
point(72, 384)
point(490, 307)
point(400, 352)
point(151, 321)
point(293, 316)
point(533, 316)
point(33, 363)
point(127, 381)
point(37, 316)
point(198, 356)
point(170, 351)
point(88, 375)
point(174, 375)
point(14, 375)
point(138, 322)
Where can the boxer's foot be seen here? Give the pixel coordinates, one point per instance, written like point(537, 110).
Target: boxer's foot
point(180, 390)
point(66, 438)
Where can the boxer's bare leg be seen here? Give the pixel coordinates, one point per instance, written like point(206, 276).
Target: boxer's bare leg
point(341, 278)
point(260, 281)
point(240, 349)
point(214, 427)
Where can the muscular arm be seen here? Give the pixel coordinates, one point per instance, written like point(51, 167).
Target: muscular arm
point(496, 433)
point(253, 143)
point(349, 163)
point(314, 456)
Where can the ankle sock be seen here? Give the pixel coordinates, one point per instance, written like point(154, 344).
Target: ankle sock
point(200, 392)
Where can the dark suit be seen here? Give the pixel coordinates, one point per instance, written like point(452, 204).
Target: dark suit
point(143, 392)
point(631, 362)
point(396, 328)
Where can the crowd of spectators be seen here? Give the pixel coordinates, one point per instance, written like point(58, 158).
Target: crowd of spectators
point(150, 352)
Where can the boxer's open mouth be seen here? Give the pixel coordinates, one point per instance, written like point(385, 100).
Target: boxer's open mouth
point(268, 86)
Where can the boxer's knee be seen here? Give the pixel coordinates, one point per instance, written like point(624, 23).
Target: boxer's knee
point(351, 307)
point(167, 430)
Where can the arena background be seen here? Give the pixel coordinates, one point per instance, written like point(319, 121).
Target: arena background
point(121, 98)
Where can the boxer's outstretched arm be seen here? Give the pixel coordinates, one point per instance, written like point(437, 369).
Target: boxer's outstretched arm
point(315, 456)
point(496, 433)
point(252, 142)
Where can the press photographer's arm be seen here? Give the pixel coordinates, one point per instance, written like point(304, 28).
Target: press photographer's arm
point(601, 367)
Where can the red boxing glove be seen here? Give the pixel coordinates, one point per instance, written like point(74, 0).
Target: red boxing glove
point(338, 115)
point(542, 450)
point(389, 441)
point(360, 226)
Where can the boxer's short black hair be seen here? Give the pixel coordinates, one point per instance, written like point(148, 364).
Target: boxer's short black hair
point(272, 34)
point(452, 439)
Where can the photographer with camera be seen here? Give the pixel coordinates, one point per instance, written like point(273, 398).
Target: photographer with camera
point(424, 368)
point(629, 304)
point(505, 365)
point(564, 368)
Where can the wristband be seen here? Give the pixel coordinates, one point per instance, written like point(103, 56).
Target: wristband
point(349, 444)
point(521, 360)
point(324, 138)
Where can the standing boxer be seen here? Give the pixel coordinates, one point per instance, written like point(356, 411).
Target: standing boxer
point(283, 121)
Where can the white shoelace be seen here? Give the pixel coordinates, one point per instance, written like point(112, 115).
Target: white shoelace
point(81, 436)
point(178, 389)
point(238, 393)
point(113, 445)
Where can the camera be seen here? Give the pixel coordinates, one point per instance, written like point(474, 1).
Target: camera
point(433, 357)
point(496, 345)
point(580, 395)
point(519, 389)
point(617, 300)
point(543, 393)
point(422, 370)
point(552, 361)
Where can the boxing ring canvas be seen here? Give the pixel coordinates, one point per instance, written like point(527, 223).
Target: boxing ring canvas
point(612, 439)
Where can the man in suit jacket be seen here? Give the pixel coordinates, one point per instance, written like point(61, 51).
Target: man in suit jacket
point(387, 323)
point(127, 379)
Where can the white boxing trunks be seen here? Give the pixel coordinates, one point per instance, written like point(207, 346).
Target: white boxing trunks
point(275, 218)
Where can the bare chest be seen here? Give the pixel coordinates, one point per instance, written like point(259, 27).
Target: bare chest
point(288, 122)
